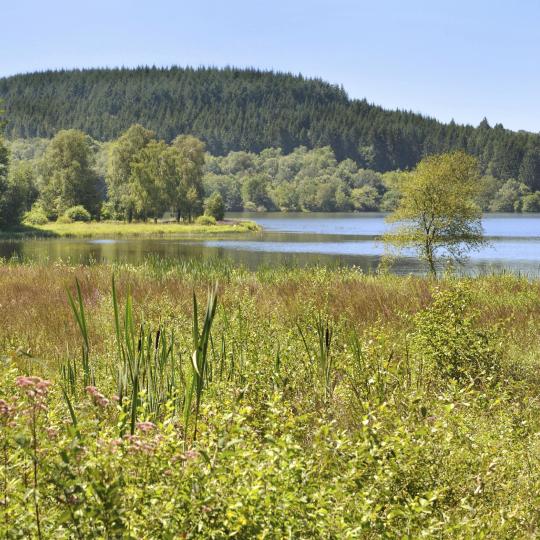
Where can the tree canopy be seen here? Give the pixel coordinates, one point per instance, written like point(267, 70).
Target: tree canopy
point(252, 110)
point(437, 211)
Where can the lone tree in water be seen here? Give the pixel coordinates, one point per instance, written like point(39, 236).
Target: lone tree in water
point(438, 212)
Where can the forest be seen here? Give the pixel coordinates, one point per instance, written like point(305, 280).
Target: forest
point(73, 177)
point(251, 110)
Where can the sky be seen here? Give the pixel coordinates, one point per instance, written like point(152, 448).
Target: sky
point(452, 59)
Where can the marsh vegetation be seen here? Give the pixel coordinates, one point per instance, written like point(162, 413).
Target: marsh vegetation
point(203, 400)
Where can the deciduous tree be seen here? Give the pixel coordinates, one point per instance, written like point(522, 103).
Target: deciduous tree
point(68, 178)
point(437, 212)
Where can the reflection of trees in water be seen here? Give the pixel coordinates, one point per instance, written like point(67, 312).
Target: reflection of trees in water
point(137, 250)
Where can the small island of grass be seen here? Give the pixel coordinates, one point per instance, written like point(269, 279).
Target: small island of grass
point(113, 229)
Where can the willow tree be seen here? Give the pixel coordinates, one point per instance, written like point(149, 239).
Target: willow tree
point(437, 214)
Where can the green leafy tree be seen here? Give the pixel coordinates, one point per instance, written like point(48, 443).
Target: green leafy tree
point(255, 191)
point(214, 206)
point(488, 188)
point(509, 197)
point(11, 196)
point(529, 171)
point(326, 197)
point(68, 178)
point(22, 174)
point(438, 210)
point(365, 198)
point(229, 187)
point(122, 154)
point(187, 193)
point(531, 202)
point(153, 171)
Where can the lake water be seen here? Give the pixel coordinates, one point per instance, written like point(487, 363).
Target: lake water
point(300, 239)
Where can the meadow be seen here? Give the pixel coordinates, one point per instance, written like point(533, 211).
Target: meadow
point(203, 400)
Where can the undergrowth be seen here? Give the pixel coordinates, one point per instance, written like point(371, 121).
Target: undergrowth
point(201, 400)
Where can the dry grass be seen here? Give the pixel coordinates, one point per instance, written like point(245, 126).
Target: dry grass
point(34, 313)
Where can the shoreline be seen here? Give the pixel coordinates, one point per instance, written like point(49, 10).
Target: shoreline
point(118, 229)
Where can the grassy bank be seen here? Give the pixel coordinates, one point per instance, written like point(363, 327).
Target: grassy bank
point(322, 404)
point(113, 229)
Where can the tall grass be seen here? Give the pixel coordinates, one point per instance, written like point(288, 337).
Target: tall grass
point(310, 403)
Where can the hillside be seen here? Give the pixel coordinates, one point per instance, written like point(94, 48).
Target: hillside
point(233, 109)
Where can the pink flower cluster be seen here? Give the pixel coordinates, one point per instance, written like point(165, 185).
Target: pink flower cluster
point(143, 443)
point(145, 427)
point(36, 389)
point(98, 397)
point(5, 408)
point(140, 444)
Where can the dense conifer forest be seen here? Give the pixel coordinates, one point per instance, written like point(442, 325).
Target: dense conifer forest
point(250, 110)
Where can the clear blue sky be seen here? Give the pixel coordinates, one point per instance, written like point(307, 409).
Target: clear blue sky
point(461, 59)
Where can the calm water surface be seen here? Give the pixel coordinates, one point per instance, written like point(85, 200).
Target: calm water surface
point(300, 239)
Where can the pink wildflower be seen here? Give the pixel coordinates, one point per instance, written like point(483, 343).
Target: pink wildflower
point(5, 409)
point(36, 389)
point(145, 426)
point(99, 398)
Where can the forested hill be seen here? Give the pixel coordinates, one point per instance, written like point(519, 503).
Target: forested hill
point(232, 109)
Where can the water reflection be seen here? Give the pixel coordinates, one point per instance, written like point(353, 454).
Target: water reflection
point(298, 240)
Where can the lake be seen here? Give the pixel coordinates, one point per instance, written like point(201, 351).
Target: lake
point(300, 239)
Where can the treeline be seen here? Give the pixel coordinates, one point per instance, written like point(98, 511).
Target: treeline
point(251, 110)
point(140, 177)
point(71, 177)
point(314, 180)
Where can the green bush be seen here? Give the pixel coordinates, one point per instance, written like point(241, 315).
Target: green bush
point(77, 213)
point(205, 220)
point(531, 203)
point(35, 216)
point(64, 219)
point(447, 336)
point(214, 206)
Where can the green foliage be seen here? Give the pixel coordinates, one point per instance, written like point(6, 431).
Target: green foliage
point(365, 198)
point(77, 213)
point(120, 163)
point(510, 196)
point(35, 216)
point(447, 337)
point(255, 191)
point(414, 413)
point(137, 170)
point(214, 206)
point(146, 177)
point(205, 220)
point(437, 209)
point(531, 202)
point(250, 110)
point(67, 174)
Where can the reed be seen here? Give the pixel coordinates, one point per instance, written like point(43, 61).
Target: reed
point(306, 403)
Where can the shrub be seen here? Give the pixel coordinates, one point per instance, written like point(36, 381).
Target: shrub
point(77, 213)
point(35, 216)
point(108, 211)
point(250, 207)
point(205, 220)
point(531, 203)
point(64, 219)
point(447, 336)
point(214, 206)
